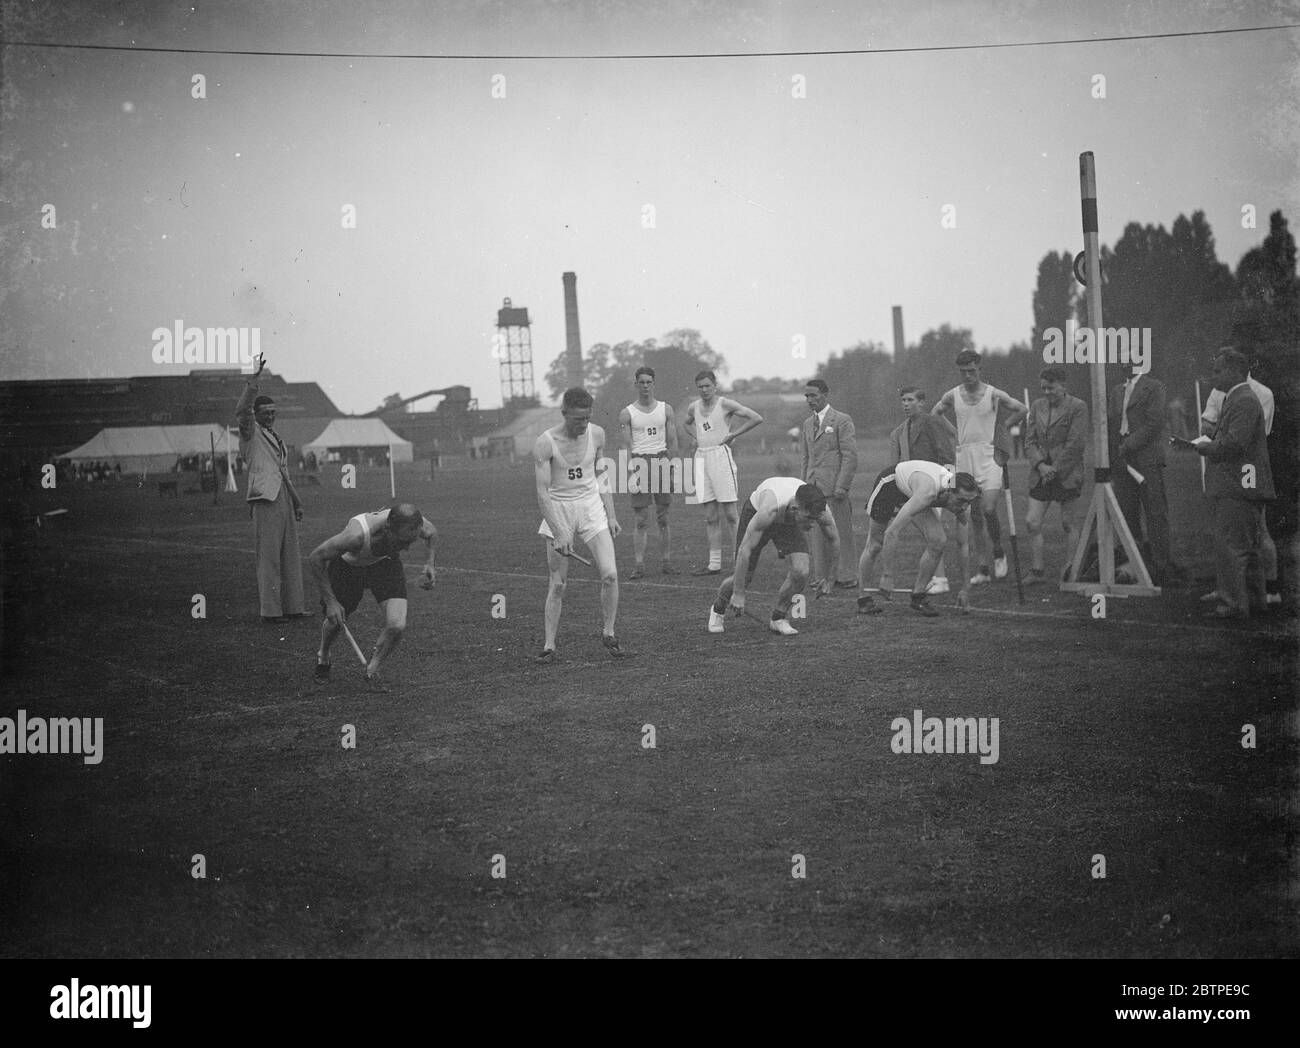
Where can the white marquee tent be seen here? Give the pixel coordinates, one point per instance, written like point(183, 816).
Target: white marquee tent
point(363, 433)
point(152, 449)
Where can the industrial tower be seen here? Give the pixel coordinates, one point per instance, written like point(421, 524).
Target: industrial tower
point(514, 348)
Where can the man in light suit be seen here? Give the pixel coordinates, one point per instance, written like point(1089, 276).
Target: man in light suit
point(274, 505)
point(1238, 482)
point(830, 458)
point(1135, 419)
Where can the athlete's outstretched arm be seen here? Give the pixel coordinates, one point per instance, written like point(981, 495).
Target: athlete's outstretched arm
point(734, 407)
point(832, 536)
point(542, 480)
point(430, 535)
point(602, 482)
point(670, 424)
point(762, 520)
point(1017, 410)
point(920, 502)
point(349, 540)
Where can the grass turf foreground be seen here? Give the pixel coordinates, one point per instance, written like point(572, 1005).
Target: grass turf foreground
point(1119, 738)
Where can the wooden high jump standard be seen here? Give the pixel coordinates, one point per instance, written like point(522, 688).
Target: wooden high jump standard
point(1104, 515)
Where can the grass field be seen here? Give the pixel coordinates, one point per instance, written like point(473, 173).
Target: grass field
point(1118, 737)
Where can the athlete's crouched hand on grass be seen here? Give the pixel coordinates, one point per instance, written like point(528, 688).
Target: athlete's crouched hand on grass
point(736, 605)
point(963, 599)
point(426, 577)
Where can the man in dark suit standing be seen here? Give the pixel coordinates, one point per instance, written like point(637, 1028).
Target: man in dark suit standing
point(922, 436)
point(1135, 419)
point(1238, 482)
point(1055, 441)
point(830, 458)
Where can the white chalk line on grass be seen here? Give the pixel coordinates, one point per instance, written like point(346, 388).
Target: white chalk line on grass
point(1067, 616)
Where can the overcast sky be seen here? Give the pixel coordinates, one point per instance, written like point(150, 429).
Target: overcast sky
point(774, 216)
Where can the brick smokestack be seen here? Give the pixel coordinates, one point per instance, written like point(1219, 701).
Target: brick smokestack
point(572, 339)
point(899, 344)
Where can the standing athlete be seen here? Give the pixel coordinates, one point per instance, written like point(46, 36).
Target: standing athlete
point(708, 421)
point(575, 504)
point(651, 432)
point(781, 511)
point(975, 405)
point(366, 555)
point(916, 491)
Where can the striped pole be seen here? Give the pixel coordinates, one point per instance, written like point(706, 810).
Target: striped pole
point(1198, 432)
point(1100, 432)
point(230, 465)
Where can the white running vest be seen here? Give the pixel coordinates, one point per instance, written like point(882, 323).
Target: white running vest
point(367, 557)
point(649, 429)
point(573, 480)
point(782, 487)
point(904, 472)
point(709, 429)
point(976, 423)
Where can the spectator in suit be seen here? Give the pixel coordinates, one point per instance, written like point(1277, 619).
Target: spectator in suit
point(922, 437)
point(830, 458)
point(1238, 482)
point(1268, 548)
point(1055, 439)
point(1137, 429)
point(274, 505)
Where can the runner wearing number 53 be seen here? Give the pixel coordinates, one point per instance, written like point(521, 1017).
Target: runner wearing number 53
point(575, 505)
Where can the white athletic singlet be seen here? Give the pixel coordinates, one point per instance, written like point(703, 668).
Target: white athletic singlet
point(573, 480)
point(709, 429)
point(904, 472)
point(782, 487)
point(976, 423)
point(367, 556)
point(649, 429)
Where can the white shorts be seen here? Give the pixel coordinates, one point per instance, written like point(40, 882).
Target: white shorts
point(715, 476)
point(585, 517)
point(978, 461)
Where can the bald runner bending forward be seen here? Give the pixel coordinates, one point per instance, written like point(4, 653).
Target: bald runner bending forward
point(367, 554)
point(915, 492)
point(781, 511)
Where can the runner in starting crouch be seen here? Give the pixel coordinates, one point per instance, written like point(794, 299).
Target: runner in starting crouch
point(916, 491)
point(781, 511)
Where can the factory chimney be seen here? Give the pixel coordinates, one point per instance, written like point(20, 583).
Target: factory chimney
point(572, 340)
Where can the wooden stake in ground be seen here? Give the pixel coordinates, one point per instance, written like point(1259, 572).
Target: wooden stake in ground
point(1011, 526)
point(355, 646)
point(1198, 431)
